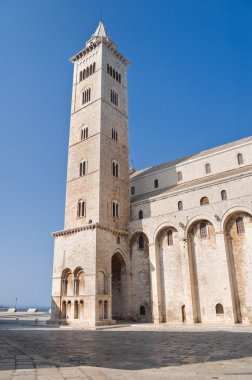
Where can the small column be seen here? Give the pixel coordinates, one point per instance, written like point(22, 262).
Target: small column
point(155, 284)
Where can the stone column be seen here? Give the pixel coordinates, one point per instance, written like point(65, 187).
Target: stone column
point(227, 276)
point(186, 279)
point(155, 284)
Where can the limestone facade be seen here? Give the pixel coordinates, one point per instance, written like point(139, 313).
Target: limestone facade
point(170, 243)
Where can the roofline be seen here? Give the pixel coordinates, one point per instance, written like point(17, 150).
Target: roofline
point(190, 159)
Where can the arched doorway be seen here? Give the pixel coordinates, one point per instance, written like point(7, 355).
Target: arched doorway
point(119, 286)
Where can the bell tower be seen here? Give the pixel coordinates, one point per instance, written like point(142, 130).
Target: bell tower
point(97, 189)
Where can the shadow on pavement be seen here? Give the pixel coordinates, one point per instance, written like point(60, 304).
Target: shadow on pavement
point(130, 350)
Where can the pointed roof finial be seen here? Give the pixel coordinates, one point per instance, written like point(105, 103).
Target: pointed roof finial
point(100, 31)
point(98, 34)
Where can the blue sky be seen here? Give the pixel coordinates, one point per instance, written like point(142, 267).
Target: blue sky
point(190, 88)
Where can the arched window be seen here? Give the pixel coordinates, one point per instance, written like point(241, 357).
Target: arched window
point(223, 195)
point(219, 309)
point(179, 176)
point(203, 231)
point(169, 237)
point(180, 205)
point(84, 74)
point(240, 159)
point(115, 209)
point(140, 214)
point(76, 310)
point(80, 76)
point(86, 96)
point(68, 311)
point(156, 183)
point(141, 242)
point(100, 310)
point(114, 97)
point(110, 70)
point(63, 311)
point(119, 77)
point(83, 168)
point(240, 225)
point(91, 69)
point(105, 309)
point(208, 168)
point(69, 284)
point(115, 169)
point(87, 72)
point(94, 67)
point(84, 133)
point(81, 208)
point(204, 201)
point(132, 190)
point(142, 310)
point(81, 311)
point(114, 73)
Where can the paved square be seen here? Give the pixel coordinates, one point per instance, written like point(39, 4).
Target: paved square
point(30, 350)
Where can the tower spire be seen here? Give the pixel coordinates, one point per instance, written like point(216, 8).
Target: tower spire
point(99, 33)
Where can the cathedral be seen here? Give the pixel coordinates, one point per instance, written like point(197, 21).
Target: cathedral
point(168, 244)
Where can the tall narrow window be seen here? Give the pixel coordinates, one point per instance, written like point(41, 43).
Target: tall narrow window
point(240, 159)
point(208, 168)
point(115, 169)
point(84, 133)
point(114, 97)
point(81, 208)
point(179, 176)
point(170, 237)
point(141, 242)
point(219, 309)
point(114, 134)
point(93, 67)
point(204, 201)
point(180, 205)
point(87, 72)
point(156, 183)
point(140, 214)
point(223, 195)
point(83, 168)
point(115, 209)
point(240, 225)
point(132, 190)
point(86, 96)
point(110, 70)
point(203, 231)
point(84, 74)
point(80, 76)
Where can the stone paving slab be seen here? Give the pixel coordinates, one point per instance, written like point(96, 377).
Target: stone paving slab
point(140, 352)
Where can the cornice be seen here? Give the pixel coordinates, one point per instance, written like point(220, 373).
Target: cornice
point(167, 192)
point(91, 226)
point(94, 45)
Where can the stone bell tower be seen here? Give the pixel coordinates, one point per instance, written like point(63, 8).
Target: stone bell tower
point(97, 190)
